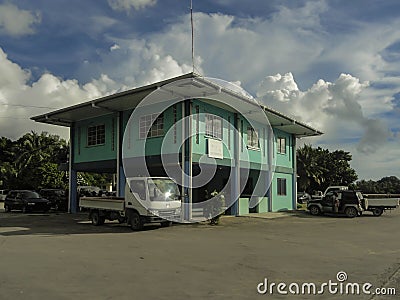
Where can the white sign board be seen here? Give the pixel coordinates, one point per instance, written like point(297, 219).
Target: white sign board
point(215, 149)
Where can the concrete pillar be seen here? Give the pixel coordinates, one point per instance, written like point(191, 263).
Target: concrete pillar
point(235, 182)
point(187, 159)
point(121, 182)
point(294, 179)
point(270, 161)
point(120, 170)
point(73, 182)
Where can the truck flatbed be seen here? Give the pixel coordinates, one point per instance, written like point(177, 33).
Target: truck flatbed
point(109, 203)
point(385, 202)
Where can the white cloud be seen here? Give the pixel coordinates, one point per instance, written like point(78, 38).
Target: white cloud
point(333, 108)
point(115, 47)
point(17, 97)
point(127, 5)
point(17, 22)
point(138, 62)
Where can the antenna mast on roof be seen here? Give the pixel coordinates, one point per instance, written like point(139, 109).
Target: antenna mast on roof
point(191, 22)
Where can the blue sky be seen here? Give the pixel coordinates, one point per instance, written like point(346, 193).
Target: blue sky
point(332, 64)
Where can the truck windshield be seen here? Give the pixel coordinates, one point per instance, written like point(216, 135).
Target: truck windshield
point(163, 189)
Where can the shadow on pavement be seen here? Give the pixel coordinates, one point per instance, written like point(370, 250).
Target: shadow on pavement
point(16, 223)
point(306, 214)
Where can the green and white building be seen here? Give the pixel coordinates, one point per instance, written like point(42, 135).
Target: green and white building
point(225, 133)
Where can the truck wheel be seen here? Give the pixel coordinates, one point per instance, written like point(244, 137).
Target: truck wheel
point(166, 224)
point(314, 210)
point(96, 219)
point(135, 221)
point(377, 211)
point(351, 212)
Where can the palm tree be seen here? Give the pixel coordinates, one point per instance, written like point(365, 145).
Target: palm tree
point(33, 148)
point(310, 173)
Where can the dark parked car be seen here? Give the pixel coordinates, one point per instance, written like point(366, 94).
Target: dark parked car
point(26, 201)
point(57, 197)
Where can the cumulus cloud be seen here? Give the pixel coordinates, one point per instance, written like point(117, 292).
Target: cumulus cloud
point(19, 99)
point(333, 108)
point(138, 62)
point(127, 5)
point(17, 22)
point(115, 47)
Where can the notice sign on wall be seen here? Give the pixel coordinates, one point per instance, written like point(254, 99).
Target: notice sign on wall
point(215, 149)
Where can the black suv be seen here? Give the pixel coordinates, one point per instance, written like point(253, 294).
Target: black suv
point(26, 201)
point(351, 203)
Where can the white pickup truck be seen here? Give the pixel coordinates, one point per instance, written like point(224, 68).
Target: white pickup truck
point(375, 203)
point(147, 200)
point(378, 203)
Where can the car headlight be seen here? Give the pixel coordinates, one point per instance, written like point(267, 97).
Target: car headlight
point(178, 211)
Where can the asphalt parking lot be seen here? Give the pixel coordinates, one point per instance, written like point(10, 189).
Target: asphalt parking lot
point(62, 256)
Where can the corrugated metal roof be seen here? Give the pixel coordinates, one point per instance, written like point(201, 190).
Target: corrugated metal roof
point(130, 99)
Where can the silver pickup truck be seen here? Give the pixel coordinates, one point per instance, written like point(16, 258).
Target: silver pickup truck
point(378, 203)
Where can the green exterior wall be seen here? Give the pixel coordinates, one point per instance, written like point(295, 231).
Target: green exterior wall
point(284, 168)
point(199, 139)
point(243, 206)
point(107, 151)
point(199, 143)
point(283, 160)
point(280, 202)
point(262, 205)
point(134, 145)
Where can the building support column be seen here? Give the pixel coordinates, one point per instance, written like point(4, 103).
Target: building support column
point(235, 182)
point(294, 179)
point(187, 159)
point(121, 179)
point(72, 182)
point(270, 157)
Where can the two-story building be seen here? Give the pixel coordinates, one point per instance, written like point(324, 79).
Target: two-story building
point(205, 134)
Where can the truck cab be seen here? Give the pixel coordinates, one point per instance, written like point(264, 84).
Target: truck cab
point(351, 203)
point(154, 198)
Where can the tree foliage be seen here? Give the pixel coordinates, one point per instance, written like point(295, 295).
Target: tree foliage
point(32, 162)
point(318, 168)
point(386, 185)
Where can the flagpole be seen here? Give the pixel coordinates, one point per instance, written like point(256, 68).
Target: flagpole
point(191, 22)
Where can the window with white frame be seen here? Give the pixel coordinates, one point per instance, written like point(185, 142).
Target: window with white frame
point(96, 135)
point(252, 138)
point(281, 186)
point(152, 125)
point(214, 126)
point(281, 145)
